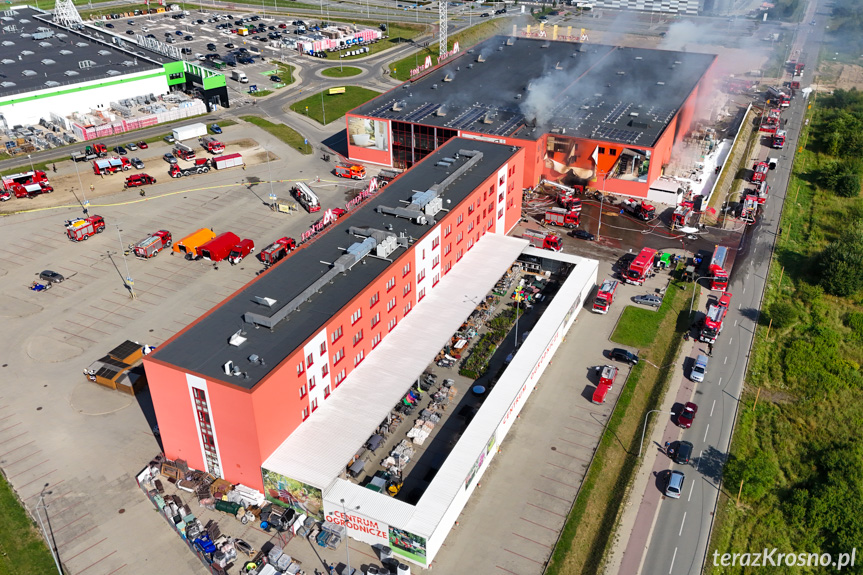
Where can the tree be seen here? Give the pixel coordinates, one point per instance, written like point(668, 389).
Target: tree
point(782, 313)
point(847, 185)
point(842, 263)
point(758, 473)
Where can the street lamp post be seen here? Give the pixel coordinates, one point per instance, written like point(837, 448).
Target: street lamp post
point(644, 429)
point(48, 540)
point(128, 282)
point(347, 546)
point(31, 163)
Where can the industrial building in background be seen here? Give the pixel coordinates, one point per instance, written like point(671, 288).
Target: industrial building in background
point(585, 114)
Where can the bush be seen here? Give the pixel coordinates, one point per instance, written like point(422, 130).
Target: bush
point(854, 321)
point(847, 185)
point(842, 263)
point(782, 314)
point(758, 473)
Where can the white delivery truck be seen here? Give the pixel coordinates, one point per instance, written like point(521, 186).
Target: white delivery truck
point(188, 132)
point(239, 76)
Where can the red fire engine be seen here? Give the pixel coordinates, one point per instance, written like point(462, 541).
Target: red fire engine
point(681, 215)
point(183, 151)
point(566, 199)
point(82, 228)
point(605, 296)
point(212, 145)
point(778, 140)
point(749, 209)
point(720, 265)
point(760, 192)
point(277, 250)
point(307, 198)
point(562, 217)
point(759, 172)
point(540, 239)
point(639, 209)
point(770, 120)
point(153, 244)
point(606, 382)
point(716, 313)
point(640, 267)
point(111, 166)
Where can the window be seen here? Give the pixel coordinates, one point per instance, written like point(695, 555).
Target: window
point(407, 309)
point(469, 243)
point(323, 348)
point(340, 377)
point(435, 279)
point(305, 414)
point(301, 368)
point(490, 208)
point(500, 213)
point(435, 243)
point(355, 317)
point(470, 210)
point(447, 268)
point(421, 276)
point(336, 335)
point(407, 289)
point(376, 340)
point(325, 370)
point(500, 198)
point(406, 270)
point(612, 152)
point(376, 319)
point(459, 220)
point(326, 392)
point(339, 355)
point(391, 304)
point(391, 284)
point(392, 324)
point(459, 237)
point(502, 180)
point(359, 358)
point(435, 262)
point(314, 404)
point(375, 298)
point(302, 391)
point(310, 359)
point(459, 255)
point(488, 225)
point(358, 337)
point(421, 294)
point(447, 231)
point(424, 254)
point(470, 227)
point(312, 383)
point(601, 150)
point(447, 249)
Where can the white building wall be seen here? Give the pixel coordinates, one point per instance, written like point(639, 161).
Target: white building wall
point(315, 372)
point(62, 102)
point(500, 200)
point(426, 252)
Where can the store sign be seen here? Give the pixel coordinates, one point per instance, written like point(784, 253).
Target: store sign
point(425, 66)
point(360, 523)
point(537, 34)
point(446, 55)
point(365, 194)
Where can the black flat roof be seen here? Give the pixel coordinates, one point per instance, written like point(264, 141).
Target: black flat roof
point(528, 87)
point(37, 55)
point(203, 348)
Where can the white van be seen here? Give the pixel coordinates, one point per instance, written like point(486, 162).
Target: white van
point(699, 369)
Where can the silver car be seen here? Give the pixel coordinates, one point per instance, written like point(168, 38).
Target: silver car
point(51, 276)
point(648, 299)
point(675, 485)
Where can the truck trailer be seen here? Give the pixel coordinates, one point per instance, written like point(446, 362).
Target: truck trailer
point(189, 131)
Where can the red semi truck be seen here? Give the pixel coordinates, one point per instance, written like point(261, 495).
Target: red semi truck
point(640, 267)
point(81, 229)
point(153, 244)
point(219, 248)
point(606, 382)
point(716, 313)
point(277, 250)
point(605, 296)
point(540, 239)
point(567, 218)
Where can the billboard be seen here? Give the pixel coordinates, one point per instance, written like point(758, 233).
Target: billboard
point(480, 460)
point(367, 133)
point(296, 495)
point(408, 545)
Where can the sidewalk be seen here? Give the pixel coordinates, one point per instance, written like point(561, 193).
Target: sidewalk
point(635, 529)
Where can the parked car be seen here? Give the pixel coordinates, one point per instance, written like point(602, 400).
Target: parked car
point(687, 416)
point(120, 150)
point(5, 195)
point(179, 33)
point(682, 452)
point(229, 45)
point(130, 32)
point(648, 299)
point(215, 129)
point(582, 235)
point(623, 355)
point(170, 158)
point(143, 145)
point(169, 138)
point(275, 79)
point(51, 276)
point(699, 370)
point(109, 25)
point(137, 163)
point(675, 484)
point(132, 146)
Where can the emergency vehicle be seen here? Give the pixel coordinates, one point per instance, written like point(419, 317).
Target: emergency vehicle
point(307, 198)
point(111, 166)
point(716, 313)
point(640, 267)
point(81, 229)
point(353, 172)
point(138, 180)
point(152, 244)
point(759, 172)
point(540, 239)
point(212, 145)
point(277, 250)
point(241, 250)
point(183, 151)
point(567, 218)
point(605, 296)
point(718, 270)
point(681, 215)
point(606, 382)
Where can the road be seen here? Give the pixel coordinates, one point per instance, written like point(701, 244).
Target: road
point(682, 528)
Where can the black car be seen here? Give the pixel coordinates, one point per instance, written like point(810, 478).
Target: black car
point(211, 47)
point(50, 276)
point(275, 79)
point(625, 356)
point(188, 38)
point(130, 32)
point(681, 452)
point(120, 150)
point(582, 235)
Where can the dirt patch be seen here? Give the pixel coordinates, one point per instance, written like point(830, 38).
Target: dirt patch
point(244, 143)
point(777, 396)
point(850, 76)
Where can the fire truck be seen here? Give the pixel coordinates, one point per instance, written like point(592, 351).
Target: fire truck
point(759, 172)
point(640, 209)
point(778, 96)
point(277, 250)
point(540, 239)
point(606, 381)
point(353, 172)
point(138, 180)
point(386, 176)
point(567, 200)
point(795, 67)
point(778, 140)
point(30, 190)
point(153, 244)
point(183, 151)
point(562, 217)
point(307, 198)
point(640, 267)
point(605, 296)
point(201, 166)
point(749, 208)
point(759, 192)
point(770, 120)
point(81, 229)
point(90, 153)
point(212, 145)
point(241, 250)
point(720, 265)
point(716, 313)
point(111, 166)
point(24, 179)
point(681, 215)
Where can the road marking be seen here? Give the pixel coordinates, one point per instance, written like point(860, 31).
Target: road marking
point(698, 462)
point(739, 306)
point(691, 485)
point(720, 381)
point(679, 533)
point(705, 432)
point(672, 560)
point(711, 408)
point(730, 340)
point(735, 323)
point(744, 289)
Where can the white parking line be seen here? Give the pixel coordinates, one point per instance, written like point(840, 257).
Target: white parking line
point(672, 560)
point(730, 340)
point(697, 463)
point(691, 485)
point(705, 432)
point(744, 289)
point(735, 323)
point(720, 381)
point(711, 408)
point(679, 533)
point(726, 360)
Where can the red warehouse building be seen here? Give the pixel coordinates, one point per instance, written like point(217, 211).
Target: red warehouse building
point(233, 385)
point(585, 114)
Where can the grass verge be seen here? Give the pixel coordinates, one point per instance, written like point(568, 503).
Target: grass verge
point(589, 530)
point(400, 69)
point(22, 549)
point(286, 134)
point(341, 72)
point(284, 71)
point(332, 107)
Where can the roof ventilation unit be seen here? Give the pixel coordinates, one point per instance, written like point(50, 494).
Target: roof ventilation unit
point(440, 111)
point(633, 114)
point(399, 106)
point(65, 52)
point(639, 58)
point(546, 45)
point(434, 86)
point(28, 73)
point(81, 44)
point(510, 41)
point(237, 339)
point(113, 73)
point(48, 62)
point(500, 48)
point(70, 73)
point(480, 59)
point(52, 84)
point(518, 96)
point(7, 84)
point(27, 52)
point(621, 73)
point(660, 83)
point(558, 66)
point(104, 52)
point(8, 43)
point(488, 118)
point(470, 65)
point(448, 78)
